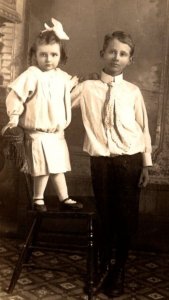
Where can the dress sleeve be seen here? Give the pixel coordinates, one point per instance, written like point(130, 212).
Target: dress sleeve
point(24, 85)
point(142, 120)
point(14, 107)
point(20, 90)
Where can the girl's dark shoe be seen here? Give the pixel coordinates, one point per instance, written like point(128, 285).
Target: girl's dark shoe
point(39, 207)
point(70, 204)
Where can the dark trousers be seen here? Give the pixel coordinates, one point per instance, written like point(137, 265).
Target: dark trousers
point(115, 184)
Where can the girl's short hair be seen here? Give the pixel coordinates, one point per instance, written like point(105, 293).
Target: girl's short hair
point(46, 38)
point(122, 37)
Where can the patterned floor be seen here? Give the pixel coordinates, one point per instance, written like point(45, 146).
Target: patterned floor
point(147, 276)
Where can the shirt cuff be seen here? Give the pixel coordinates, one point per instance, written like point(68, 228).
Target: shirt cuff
point(14, 119)
point(147, 160)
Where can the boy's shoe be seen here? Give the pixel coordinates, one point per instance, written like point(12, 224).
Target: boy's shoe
point(70, 204)
point(113, 286)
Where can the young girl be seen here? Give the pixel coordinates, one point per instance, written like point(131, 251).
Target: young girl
point(39, 102)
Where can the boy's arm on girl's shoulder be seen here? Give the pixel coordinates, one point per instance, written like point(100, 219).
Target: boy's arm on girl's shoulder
point(76, 92)
point(76, 95)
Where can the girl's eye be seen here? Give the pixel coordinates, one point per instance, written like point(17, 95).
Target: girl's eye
point(123, 54)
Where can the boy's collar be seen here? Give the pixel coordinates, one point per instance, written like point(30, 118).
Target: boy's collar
point(108, 78)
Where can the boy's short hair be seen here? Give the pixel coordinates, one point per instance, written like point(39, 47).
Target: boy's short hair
point(46, 38)
point(122, 37)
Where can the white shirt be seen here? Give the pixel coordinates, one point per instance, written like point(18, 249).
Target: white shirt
point(90, 95)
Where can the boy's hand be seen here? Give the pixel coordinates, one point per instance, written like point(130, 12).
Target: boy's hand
point(9, 125)
point(73, 82)
point(90, 76)
point(144, 177)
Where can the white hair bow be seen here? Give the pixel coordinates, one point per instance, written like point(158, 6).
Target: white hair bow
point(57, 28)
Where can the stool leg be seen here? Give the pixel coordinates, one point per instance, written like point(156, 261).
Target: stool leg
point(34, 237)
point(22, 256)
point(90, 259)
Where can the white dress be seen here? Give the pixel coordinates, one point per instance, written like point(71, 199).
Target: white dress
point(41, 101)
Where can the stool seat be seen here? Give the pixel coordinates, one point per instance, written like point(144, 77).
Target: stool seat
point(61, 230)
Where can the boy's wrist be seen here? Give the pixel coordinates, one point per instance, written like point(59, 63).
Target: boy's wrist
point(146, 168)
point(147, 159)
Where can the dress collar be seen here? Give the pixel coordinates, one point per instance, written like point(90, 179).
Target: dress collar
point(106, 78)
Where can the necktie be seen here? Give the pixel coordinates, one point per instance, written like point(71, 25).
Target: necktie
point(109, 107)
point(112, 121)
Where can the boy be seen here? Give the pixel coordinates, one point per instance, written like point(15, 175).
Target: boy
point(119, 144)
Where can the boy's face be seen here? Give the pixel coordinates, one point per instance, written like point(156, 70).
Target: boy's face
point(48, 56)
point(116, 57)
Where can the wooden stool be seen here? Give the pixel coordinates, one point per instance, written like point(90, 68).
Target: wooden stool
point(86, 237)
point(14, 143)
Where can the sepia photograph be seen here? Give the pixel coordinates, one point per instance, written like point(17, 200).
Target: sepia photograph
point(84, 149)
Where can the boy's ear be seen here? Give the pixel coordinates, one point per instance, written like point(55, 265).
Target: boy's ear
point(131, 60)
point(101, 53)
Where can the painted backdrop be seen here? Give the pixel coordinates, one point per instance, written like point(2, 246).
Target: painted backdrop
point(86, 23)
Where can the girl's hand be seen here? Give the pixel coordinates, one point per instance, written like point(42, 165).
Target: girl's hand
point(144, 177)
point(73, 82)
point(9, 125)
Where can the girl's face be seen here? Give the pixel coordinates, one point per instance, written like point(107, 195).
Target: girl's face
point(48, 56)
point(116, 57)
